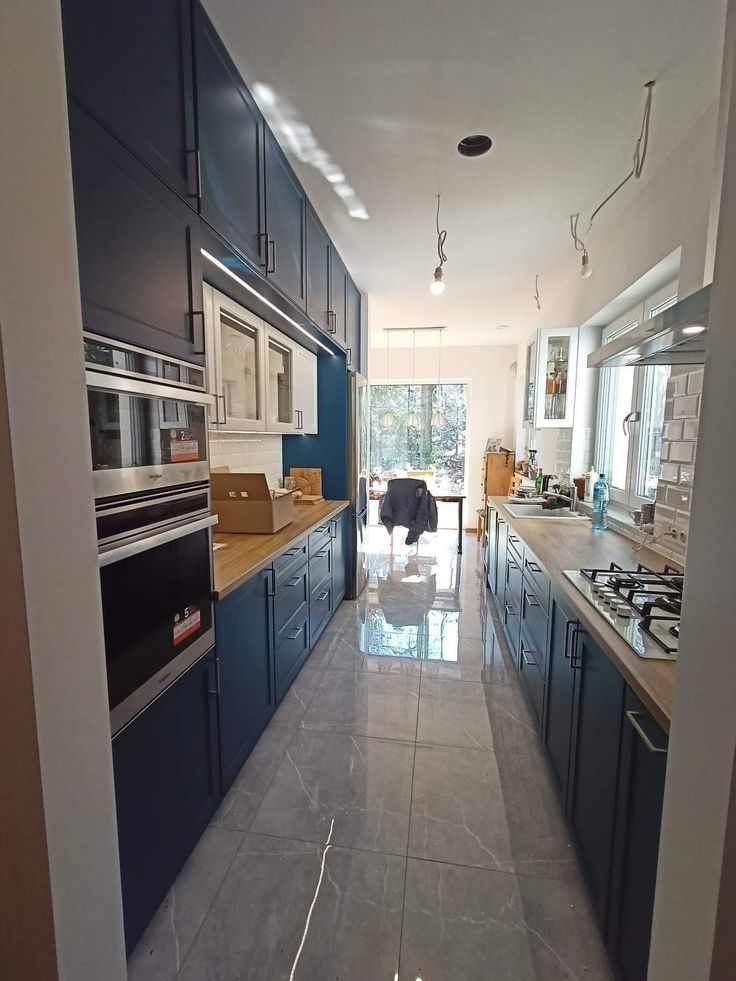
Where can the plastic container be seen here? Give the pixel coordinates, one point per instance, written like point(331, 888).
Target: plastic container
point(590, 479)
point(600, 504)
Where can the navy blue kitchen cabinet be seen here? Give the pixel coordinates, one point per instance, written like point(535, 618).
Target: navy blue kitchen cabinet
point(497, 575)
point(338, 296)
point(138, 248)
point(560, 696)
point(340, 531)
point(318, 271)
point(513, 579)
point(130, 66)
point(636, 842)
point(285, 215)
point(167, 787)
point(594, 766)
point(231, 147)
point(352, 324)
point(245, 660)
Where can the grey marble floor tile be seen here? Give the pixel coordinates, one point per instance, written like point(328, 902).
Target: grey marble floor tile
point(322, 652)
point(464, 713)
point(346, 654)
point(255, 926)
point(168, 937)
point(380, 664)
point(472, 659)
point(296, 701)
point(246, 793)
point(470, 807)
point(365, 705)
point(469, 924)
point(364, 784)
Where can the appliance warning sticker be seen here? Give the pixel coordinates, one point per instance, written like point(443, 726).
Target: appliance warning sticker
point(183, 446)
point(186, 623)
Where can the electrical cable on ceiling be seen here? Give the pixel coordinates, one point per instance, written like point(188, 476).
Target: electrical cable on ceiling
point(640, 155)
point(537, 298)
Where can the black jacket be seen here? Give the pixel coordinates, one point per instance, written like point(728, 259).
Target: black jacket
point(408, 503)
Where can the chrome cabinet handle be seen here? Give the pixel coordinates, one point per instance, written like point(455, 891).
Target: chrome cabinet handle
point(349, 352)
point(198, 332)
point(574, 634)
point(294, 581)
point(271, 256)
point(294, 633)
point(333, 529)
point(532, 565)
point(527, 655)
point(513, 538)
point(530, 599)
point(323, 596)
point(568, 624)
point(322, 552)
point(511, 564)
point(510, 612)
point(291, 551)
point(299, 419)
point(224, 410)
point(633, 717)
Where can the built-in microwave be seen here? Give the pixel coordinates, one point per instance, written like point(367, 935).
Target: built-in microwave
point(148, 438)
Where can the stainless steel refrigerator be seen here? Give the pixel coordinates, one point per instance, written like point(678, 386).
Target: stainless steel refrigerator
point(359, 427)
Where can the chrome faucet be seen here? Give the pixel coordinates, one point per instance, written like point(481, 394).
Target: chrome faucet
point(572, 499)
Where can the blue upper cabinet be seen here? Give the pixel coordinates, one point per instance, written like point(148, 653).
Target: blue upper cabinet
point(352, 325)
point(130, 66)
point(231, 151)
point(318, 271)
point(338, 296)
point(285, 215)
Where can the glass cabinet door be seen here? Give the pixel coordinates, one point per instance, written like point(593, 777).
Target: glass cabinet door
point(555, 378)
point(280, 394)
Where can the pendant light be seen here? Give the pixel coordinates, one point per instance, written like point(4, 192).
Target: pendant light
point(438, 417)
point(412, 419)
point(437, 286)
point(387, 420)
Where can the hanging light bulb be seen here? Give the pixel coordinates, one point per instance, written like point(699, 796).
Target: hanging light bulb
point(437, 287)
point(438, 418)
point(387, 420)
point(412, 419)
point(586, 270)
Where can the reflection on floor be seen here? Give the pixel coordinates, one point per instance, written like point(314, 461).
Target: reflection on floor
point(396, 821)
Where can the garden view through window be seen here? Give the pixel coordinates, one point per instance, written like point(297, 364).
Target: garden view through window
point(435, 453)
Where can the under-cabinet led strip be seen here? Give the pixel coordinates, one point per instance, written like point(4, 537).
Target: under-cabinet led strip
point(272, 306)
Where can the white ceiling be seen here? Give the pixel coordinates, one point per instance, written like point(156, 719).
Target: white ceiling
point(388, 87)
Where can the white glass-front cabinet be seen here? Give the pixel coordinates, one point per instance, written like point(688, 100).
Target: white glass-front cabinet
point(236, 352)
point(261, 379)
point(553, 393)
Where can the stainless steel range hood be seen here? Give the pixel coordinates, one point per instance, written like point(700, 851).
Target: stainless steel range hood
point(676, 336)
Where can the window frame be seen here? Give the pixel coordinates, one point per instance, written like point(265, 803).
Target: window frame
point(641, 401)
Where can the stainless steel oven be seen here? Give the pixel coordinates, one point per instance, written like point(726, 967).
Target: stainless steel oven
point(148, 435)
point(147, 418)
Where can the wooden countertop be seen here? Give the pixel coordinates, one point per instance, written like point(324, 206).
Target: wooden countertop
point(568, 544)
point(247, 554)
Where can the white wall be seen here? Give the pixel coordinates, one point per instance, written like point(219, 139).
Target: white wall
point(703, 736)
point(40, 320)
point(491, 385)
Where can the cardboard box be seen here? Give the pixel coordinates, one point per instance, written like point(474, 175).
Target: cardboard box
point(243, 503)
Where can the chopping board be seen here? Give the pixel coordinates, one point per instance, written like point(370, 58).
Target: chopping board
point(308, 480)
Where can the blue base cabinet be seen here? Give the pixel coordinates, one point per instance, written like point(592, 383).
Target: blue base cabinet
point(340, 532)
point(245, 651)
point(167, 787)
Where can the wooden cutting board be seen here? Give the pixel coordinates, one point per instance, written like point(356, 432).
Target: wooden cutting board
point(308, 480)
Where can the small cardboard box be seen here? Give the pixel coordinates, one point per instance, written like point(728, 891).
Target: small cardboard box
point(244, 505)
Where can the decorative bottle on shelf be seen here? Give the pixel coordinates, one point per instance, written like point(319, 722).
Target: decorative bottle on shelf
point(600, 504)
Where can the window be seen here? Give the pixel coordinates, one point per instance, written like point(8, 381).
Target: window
point(631, 413)
point(400, 448)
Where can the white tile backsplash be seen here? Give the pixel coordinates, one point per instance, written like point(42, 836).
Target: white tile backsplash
point(256, 453)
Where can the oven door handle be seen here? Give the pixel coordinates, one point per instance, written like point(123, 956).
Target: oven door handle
point(155, 390)
point(153, 541)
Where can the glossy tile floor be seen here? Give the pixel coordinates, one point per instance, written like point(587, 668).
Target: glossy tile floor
point(396, 821)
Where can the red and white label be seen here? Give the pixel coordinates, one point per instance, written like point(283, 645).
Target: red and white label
point(184, 450)
point(186, 624)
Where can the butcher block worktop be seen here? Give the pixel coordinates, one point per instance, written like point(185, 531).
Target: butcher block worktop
point(569, 544)
point(247, 554)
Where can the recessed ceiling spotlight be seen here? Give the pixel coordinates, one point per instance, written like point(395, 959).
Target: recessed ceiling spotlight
point(474, 146)
point(502, 327)
point(693, 329)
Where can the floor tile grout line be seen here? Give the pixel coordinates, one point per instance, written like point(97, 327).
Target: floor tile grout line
point(320, 844)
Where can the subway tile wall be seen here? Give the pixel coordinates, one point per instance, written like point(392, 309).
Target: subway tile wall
point(679, 447)
point(257, 453)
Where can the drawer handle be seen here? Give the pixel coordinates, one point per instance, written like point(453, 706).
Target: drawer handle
point(513, 538)
point(632, 717)
point(321, 554)
point(323, 596)
point(527, 655)
point(531, 600)
point(294, 581)
point(292, 551)
point(533, 566)
point(510, 612)
point(295, 633)
point(320, 529)
point(511, 564)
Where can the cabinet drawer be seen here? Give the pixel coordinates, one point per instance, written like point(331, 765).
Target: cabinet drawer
point(290, 594)
point(292, 648)
point(516, 545)
point(318, 537)
point(514, 581)
point(534, 618)
point(320, 607)
point(292, 557)
point(511, 626)
point(320, 568)
point(531, 666)
point(537, 578)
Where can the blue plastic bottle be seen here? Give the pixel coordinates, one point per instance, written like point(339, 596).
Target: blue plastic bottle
point(600, 504)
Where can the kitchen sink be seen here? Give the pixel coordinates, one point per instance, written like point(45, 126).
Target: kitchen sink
point(536, 511)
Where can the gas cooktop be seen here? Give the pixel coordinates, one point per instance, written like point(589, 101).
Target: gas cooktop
point(643, 606)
